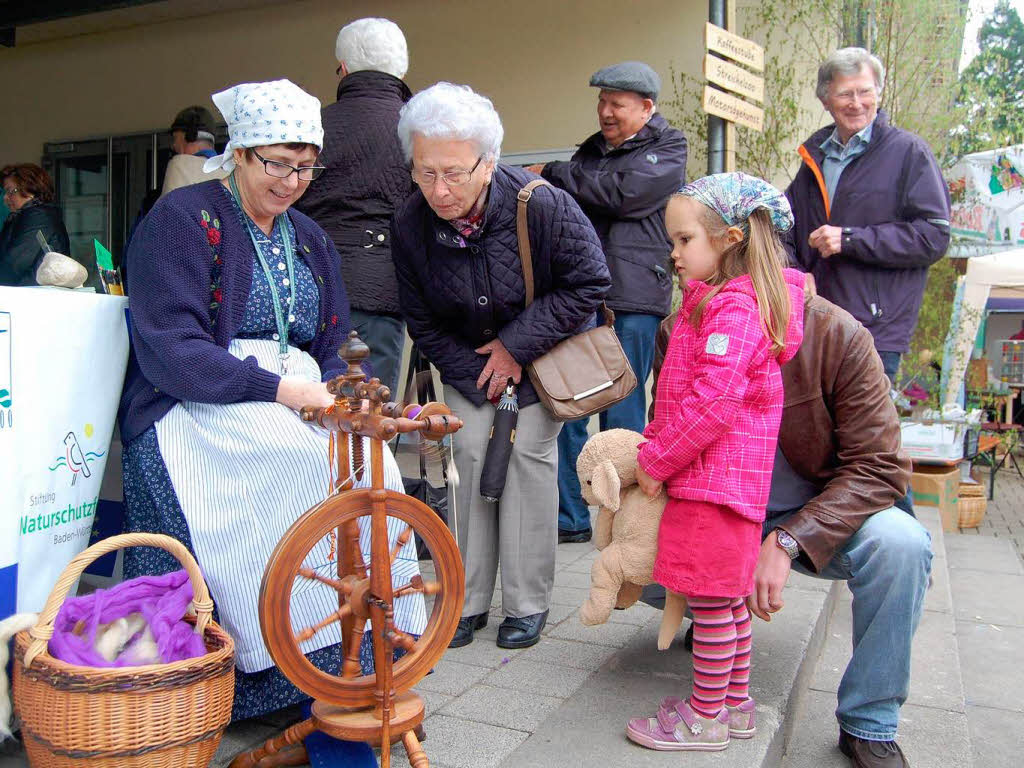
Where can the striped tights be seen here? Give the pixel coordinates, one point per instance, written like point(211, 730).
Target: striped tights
point(721, 653)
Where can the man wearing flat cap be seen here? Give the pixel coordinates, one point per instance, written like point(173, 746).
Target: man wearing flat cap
point(622, 177)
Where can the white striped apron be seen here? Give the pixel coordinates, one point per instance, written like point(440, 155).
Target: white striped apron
point(243, 473)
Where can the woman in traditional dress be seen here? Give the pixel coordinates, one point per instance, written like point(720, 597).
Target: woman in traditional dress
point(237, 313)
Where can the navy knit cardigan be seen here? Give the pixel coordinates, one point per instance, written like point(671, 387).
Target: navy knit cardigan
point(189, 275)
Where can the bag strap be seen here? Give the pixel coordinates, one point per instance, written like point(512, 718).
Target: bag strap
point(523, 235)
point(526, 256)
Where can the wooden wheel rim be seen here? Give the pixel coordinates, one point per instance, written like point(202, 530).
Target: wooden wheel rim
point(292, 550)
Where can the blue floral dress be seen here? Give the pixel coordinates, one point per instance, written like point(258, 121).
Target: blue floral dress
point(151, 503)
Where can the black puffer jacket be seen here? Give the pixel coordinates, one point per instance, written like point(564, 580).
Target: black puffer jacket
point(460, 293)
point(366, 178)
point(624, 192)
point(20, 252)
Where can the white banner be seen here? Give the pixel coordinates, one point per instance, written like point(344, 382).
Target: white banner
point(62, 362)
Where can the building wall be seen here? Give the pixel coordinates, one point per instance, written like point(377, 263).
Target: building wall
point(532, 57)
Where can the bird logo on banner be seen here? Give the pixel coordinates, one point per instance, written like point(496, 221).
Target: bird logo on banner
point(75, 457)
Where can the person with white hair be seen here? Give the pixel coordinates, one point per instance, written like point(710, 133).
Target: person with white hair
point(463, 293)
point(366, 178)
point(871, 206)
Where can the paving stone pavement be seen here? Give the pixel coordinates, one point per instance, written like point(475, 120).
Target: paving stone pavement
point(1004, 518)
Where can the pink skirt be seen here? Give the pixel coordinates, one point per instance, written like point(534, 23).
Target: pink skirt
point(706, 550)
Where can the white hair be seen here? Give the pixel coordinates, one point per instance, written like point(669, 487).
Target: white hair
point(848, 61)
point(372, 44)
point(448, 111)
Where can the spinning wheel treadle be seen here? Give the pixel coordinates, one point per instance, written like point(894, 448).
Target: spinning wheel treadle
point(379, 708)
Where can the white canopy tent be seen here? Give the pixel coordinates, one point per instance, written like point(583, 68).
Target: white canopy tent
point(984, 273)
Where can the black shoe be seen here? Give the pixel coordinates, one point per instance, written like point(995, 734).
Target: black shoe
point(573, 537)
point(871, 754)
point(467, 626)
point(522, 632)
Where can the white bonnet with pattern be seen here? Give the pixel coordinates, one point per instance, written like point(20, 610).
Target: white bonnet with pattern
point(257, 114)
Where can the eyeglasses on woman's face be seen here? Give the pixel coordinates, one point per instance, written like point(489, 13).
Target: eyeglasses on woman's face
point(281, 170)
point(451, 178)
point(11, 191)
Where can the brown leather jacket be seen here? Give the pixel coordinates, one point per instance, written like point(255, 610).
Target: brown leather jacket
point(839, 429)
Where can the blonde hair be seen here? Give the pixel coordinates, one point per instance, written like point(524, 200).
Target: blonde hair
point(760, 254)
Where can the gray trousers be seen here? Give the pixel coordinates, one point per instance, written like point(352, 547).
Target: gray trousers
point(520, 530)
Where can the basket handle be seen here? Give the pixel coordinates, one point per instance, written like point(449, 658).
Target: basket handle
point(43, 630)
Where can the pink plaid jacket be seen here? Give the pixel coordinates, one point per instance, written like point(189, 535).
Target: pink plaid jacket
point(719, 403)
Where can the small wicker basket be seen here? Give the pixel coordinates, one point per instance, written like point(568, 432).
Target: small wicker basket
point(152, 716)
point(971, 505)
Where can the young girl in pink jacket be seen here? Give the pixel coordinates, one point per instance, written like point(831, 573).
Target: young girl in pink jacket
point(712, 440)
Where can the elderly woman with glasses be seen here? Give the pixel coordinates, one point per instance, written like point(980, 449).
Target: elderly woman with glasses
point(462, 291)
point(237, 314)
point(28, 193)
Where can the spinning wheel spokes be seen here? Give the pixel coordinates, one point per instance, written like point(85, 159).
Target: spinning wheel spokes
point(403, 539)
point(356, 598)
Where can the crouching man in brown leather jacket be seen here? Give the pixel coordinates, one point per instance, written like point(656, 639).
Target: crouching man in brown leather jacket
point(838, 472)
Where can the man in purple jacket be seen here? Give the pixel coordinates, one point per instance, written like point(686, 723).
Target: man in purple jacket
point(871, 207)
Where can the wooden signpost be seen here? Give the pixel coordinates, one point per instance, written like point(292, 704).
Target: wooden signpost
point(734, 110)
point(734, 47)
point(730, 77)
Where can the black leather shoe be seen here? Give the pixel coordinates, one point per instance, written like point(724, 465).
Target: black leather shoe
point(522, 632)
point(871, 754)
point(467, 626)
point(573, 537)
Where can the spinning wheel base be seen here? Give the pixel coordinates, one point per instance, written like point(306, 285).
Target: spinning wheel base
point(364, 724)
point(348, 724)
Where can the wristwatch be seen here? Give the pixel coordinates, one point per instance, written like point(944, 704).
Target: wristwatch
point(787, 543)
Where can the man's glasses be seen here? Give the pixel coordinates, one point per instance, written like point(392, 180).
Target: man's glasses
point(452, 178)
point(283, 170)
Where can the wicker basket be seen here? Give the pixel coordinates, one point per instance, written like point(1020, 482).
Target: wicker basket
point(971, 505)
point(153, 716)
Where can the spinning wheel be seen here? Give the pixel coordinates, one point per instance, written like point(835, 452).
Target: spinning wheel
point(379, 708)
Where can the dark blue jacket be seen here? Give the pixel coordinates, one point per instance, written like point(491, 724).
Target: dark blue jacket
point(186, 308)
point(624, 192)
point(893, 206)
point(20, 252)
point(459, 293)
point(366, 179)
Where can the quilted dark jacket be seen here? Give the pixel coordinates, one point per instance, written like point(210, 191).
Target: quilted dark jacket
point(459, 293)
point(366, 178)
point(624, 192)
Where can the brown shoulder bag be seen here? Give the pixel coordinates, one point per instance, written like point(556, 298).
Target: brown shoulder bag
point(585, 373)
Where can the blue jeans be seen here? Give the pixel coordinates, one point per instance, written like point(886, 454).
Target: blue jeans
point(890, 364)
point(886, 565)
point(385, 336)
point(637, 333)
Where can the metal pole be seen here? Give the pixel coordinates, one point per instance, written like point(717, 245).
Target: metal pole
point(716, 125)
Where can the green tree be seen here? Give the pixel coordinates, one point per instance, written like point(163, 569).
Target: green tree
point(991, 87)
